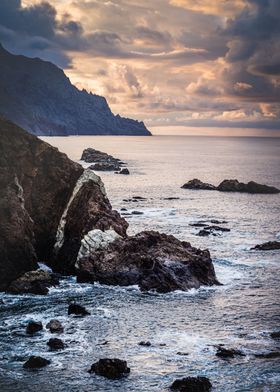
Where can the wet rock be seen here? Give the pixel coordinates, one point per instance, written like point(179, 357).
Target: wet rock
point(33, 282)
point(152, 260)
point(192, 384)
point(145, 344)
point(55, 344)
point(171, 198)
point(217, 222)
point(275, 335)
point(137, 213)
point(110, 368)
point(250, 187)
point(91, 155)
point(124, 171)
point(182, 353)
point(84, 277)
point(218, 228)
point(33, 327)
point(271, 355)
point(139, 198)
point(270, 245)
point(105, 167)
point(204, 233)
point(198, 224)
point(197, 184)
point(123, 209)
point(55, 326)
point(228, 352)
point(77, 309)
point(48, 204)
point(35, 362)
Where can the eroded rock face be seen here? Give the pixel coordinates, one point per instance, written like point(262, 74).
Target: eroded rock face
point(33, 282)
point(197, 184)
point(152, 260)
point(48, 204)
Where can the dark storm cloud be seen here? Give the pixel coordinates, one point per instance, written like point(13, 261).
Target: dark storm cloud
point(35, 31)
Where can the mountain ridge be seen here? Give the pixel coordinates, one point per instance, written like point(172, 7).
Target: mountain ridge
point(38, 96)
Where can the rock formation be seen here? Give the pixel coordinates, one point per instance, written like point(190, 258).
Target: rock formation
point(37, 95)
point(231, 186)
point(110, 368)
point(270, 245)
point(48, 204)
point(152, 260)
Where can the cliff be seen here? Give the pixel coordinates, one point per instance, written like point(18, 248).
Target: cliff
point(37, 96)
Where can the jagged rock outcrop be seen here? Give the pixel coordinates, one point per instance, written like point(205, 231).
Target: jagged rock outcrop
point(38, 96)
point(48, 204)
point(231, 186)
point(151, 260)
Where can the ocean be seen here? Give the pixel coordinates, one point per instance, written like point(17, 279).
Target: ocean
point(183, 327)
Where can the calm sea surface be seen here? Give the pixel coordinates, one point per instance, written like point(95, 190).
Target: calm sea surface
point(240, 314)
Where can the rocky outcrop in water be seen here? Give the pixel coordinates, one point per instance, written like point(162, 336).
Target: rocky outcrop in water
point(33, 282)
point(103, 161)
point(47, 205)
point(38, 96)
point(270, 245)
point(151, 260)
point(35, 362)
point(110, 368)
point(197, 184)
point(192, 384)
point(232, 186)
point(33, 327)
point(55, 326)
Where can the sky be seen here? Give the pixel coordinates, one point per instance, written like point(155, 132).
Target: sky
point(172, 63)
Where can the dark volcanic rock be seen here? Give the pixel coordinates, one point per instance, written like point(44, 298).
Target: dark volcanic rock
point(110, 368)
point(33, 282)
point(192, 384)
point(36, 362)
point(55, 326)
point(38, 96)
point(124, 171)
point(47, 205)
point(104, 167)
point(152, 260)
point(33, 327)
point(55, 344)
point(270, 245)
point(251, 187)
point(197, 184)
point(228, 352)
point(77, 309)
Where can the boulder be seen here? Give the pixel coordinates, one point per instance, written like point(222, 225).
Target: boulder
point(110, 368)
point(270, 245)
point(223, 352)
point(55, 326)
point(124, 171)
point(35, 362)
point(197, 184)
point(48, 204)
point(192, 384)
point(270, 355)
point(33, 282)
point(77, 309)
point(275, 335)
point(145, 343)
point(250, 187)
point(33, 327)
point(55, 344)
point(152, 260)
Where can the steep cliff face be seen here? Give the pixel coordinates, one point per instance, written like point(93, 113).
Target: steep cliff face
point(37, 95)
point(47, 205)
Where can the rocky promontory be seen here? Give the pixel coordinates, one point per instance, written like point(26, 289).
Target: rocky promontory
point(231, 186)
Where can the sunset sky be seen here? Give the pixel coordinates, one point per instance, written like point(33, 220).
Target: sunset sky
point(171, 63)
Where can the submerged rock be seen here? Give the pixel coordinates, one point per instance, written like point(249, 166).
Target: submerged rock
point(55, 344)
point(192, 384)
point(105, 167)
point(77, 309)
point(33, 282)
point(33, 327)
point(110, 368)
point(250, 187)
point(35, 362)
point(270, 245)
point(197, 184)
point(48, 204)
point(151, 260)
point(55, 326)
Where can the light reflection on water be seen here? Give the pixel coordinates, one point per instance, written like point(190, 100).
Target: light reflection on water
point(240, 314)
